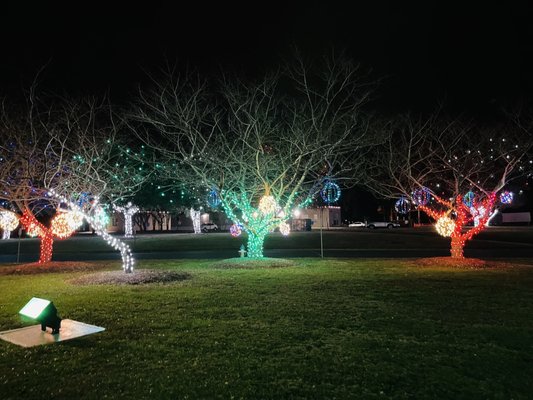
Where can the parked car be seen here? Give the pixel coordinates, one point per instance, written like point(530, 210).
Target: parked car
point(209, 227)
point(384, 224)
point(357, 224)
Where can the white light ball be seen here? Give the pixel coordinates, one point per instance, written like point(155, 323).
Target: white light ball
point(445, 226)
point(8, 220)
point(284, 228)
point(267, 205)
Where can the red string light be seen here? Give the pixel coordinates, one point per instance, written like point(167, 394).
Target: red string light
point(463, 217)
point(34, 227)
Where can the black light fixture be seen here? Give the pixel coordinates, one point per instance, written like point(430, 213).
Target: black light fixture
point(44, 312)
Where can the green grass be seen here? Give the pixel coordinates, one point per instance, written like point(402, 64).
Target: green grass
point(354, 329)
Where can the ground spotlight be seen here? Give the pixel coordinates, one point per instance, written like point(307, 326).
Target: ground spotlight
point(44, 312)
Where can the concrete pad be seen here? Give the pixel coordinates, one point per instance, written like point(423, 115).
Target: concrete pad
point(33, 336)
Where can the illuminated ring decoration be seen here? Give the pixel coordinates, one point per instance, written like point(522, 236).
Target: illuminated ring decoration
point(83, 199)
point(402, 206)
point(421, 196)
point(468, 199)
point(235, 230)
point(331, 192)
point(506, 197)
point(213, 199)
point(100, 216)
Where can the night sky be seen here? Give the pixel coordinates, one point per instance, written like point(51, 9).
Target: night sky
point(474, 58)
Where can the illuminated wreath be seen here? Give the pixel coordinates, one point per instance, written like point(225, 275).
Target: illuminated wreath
point(468, 199)
point(331, 192)
point(402, 206)
point(506, 197)
point(235, 230)
point(421, 196)
point(213, 199)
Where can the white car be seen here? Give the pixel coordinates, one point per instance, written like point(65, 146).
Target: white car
point(385, 224)
point(357, 224)
point(209, 227)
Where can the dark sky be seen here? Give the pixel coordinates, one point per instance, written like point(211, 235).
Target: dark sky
point(474, 57)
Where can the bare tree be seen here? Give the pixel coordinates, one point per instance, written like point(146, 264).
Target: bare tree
point(450, 169)
point(263, 146)
point(61, 145)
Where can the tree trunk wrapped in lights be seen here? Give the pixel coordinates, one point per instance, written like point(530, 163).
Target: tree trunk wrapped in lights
point(259, 147)
point(196, 222)
point(258, 221)
point(129, 210)
point(35, 228)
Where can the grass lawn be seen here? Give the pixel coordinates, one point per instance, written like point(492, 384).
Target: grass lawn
point(354, 329)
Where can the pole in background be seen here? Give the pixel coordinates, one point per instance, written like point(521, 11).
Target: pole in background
point(18, 245)
point(321, 225)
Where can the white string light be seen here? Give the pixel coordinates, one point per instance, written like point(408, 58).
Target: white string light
point(128, 261)
point(129, 211)
point(195, 216)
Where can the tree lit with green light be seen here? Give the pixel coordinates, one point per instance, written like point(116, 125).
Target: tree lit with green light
point(264, 146)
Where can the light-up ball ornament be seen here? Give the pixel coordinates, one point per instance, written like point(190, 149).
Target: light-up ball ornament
point(101, 217)
point(62, 226)
point(468, 199)
point(267, 205)
point(8, 220)
point(506, 197)
point(445, 226)
point(402, 206)
point(213, 199)
point(421, 196)
point(75, 219)
point(83, 199)
point(296, 213)
point(284, 228)
point(331, 192)
point(235, 230)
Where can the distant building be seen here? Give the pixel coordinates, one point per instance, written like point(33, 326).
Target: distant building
point(512, 218)
point(143, 221)
point(182, 222)
point(321, 217)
